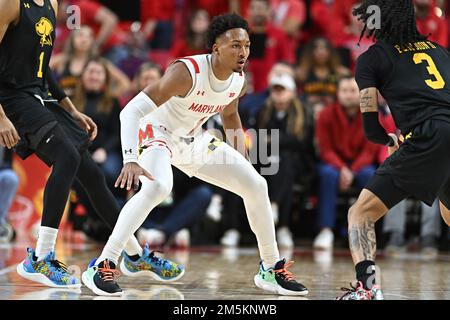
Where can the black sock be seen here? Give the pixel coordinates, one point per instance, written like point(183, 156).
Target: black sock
point(365, 272)
point(134, 257)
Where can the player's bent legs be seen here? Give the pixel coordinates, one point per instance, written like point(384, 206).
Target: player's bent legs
point(133, 214)
point(361, 225)
point(242, 179)
point(94, 183)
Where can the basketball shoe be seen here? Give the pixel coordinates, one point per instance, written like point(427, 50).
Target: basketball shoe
point(151, 266)
point(101, 278)
point(279, 280)
point(49, 271)
point(359, 293)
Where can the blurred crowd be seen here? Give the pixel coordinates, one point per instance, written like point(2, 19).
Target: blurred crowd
point(301, 83)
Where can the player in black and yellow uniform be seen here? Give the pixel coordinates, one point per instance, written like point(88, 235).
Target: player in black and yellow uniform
point(413, 75)
point(33, 121)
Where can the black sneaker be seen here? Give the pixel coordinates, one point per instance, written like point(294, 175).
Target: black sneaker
point(279, 280)
point(101, 278)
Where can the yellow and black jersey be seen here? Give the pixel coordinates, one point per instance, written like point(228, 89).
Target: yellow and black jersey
point(414, 80)
point(26, 49)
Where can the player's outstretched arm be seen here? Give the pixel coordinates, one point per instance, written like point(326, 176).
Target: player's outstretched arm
point(372, 127)
point(9, 12)
point(176, 81)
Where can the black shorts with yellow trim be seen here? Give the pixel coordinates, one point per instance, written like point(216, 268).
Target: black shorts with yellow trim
point(419, 168)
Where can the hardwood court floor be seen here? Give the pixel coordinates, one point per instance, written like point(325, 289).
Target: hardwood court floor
point(216, 273)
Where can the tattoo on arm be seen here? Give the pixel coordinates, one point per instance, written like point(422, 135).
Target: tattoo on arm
point(368, 100)
point(365, 100)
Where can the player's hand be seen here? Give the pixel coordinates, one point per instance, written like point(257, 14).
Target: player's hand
point(391, 150)
point(86, 123)
point(8, 134)
point(129, 176)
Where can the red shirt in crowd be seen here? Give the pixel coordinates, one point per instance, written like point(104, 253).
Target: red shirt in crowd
point(340, 19)
point(89, 10)
point(434, 26)
point(342, 141)
point(321, 12)
point(213, 7)
point(157, 10)
point(181, 48)
point(276, 49)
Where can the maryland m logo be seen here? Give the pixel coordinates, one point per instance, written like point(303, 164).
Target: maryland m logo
point(44, 29)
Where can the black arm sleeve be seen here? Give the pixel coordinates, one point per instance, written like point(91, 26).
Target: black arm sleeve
point(56, 91)
point(374, 131)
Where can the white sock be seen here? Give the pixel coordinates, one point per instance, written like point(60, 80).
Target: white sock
point(133, 247)
point(111, 251)
point(267, 266)
point(46, 241)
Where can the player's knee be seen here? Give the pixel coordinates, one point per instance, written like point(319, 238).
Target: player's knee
point(258, 185)
point(157, 189)
point(356, 212)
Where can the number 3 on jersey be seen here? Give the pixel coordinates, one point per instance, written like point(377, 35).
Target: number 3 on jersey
point(41, 62)
point(439, 83)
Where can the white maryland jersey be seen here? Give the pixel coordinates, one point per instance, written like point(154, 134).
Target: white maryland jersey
point(184, 116)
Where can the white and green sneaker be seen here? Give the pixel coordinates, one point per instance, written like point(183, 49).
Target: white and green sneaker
point(101, 278)
point(279, 280)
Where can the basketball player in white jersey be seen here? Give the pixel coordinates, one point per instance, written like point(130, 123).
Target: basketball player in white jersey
point(161, 127)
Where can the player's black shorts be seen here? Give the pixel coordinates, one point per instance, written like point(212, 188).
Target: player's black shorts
point(33, 121)
point(419, 168)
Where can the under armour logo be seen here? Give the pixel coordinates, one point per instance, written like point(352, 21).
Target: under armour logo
point(232, 94)
point(128, 151)
point(26, 5)
point(200, 93)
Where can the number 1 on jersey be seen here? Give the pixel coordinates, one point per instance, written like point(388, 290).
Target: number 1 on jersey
point(41, 62)
point(439, 83)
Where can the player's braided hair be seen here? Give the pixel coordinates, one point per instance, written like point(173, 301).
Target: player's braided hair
point(398, 21)
point(221, 24)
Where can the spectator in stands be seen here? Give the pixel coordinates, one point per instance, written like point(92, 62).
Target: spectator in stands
point(250, 104)
point(351, 44)
point(93, 97)
point(321, 13)
point(9, 182)
point(289, 16)
point(340, 20)
point(194, 41)
point(283, 111)
point(158, 18)
point(147, 74)
point(429, 23)
point(318, 73)
point(269, 44)
point(217, 7)
point(69, 64)
point(109, 38)
point(347, 157)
